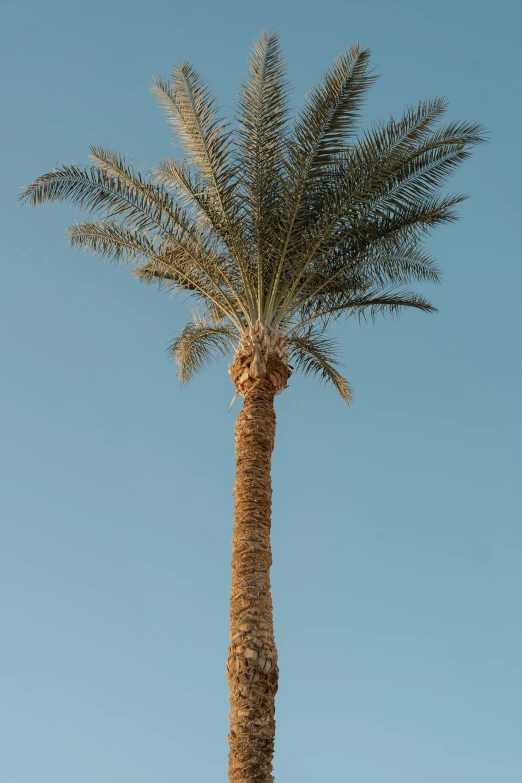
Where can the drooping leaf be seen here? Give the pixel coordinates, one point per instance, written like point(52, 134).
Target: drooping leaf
point(198, 344)
point(313, 353)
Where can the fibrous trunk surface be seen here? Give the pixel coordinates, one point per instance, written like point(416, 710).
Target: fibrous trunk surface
point(252, 671)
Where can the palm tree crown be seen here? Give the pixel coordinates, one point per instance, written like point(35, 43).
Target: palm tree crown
point(273, 221)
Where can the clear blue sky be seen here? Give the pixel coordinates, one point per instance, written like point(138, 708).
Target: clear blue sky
point(397, 527)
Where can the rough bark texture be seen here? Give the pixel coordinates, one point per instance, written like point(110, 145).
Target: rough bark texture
point(252, 671)
point(261, 353)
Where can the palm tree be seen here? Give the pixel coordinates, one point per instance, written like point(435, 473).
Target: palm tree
point(277, 228)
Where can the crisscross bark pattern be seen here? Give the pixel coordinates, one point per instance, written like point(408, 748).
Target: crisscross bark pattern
point(252, 671)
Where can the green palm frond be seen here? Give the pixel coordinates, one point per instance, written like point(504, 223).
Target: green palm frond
point(313, 353)
point(198, 344)
point(193, 194)
point(263, 117)
point(387, 302)
point(387, 263)
point(184, 180)
point(111, 241)
point(329, 116)
point(358, 174)
point(118, 167)
point(354, 246)
point(169, 266)
point(411, 224)
point(385, 140)
point(384, 175)
point(113, 189)
point(320, 133)
point(412, 167)
point(391, 261)
point(129, 197)
point(191, 109)
point(372, 302)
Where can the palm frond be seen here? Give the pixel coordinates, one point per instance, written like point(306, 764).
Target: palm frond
point(411, 223)
point(312, 353)
point(353, 246)
point(184, 180)
point(384, 174)
point(198, 344)
point(263, 117)
point(320, 133)
point(113, 188)
point(118, 167)
point(111, 241)
point(191, 109)
point(169, 266)
point(385, 263)
point(330, 114)
point(414, 166)
point(372, 302)
point(388, 302)
point(127, 196)
point(193, 193)
point(392, 262)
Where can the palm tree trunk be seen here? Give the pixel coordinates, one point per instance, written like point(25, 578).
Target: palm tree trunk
point(252, 671)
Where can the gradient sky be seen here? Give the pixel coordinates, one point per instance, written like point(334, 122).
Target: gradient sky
point(397, 537)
